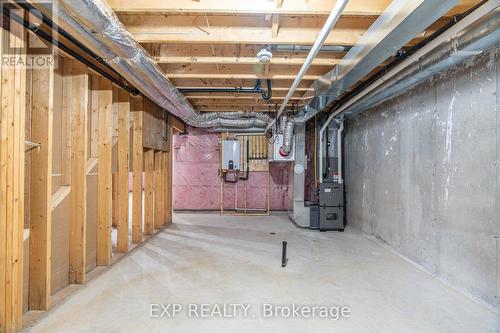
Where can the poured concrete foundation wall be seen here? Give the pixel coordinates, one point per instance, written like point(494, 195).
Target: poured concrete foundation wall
point(422, 174)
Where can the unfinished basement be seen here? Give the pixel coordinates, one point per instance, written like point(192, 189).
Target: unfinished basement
point(250, 166)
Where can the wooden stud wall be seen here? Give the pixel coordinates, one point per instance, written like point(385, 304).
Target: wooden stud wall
point(164, 188)
point(82, 137)
point(42, 86)
point(137, 169)
point(12, 131)
point(158, 206)
point(257, 152)
point(168, 171)
point(79, 145)
point(123, 170)
point(149, 160)
point(104, 174)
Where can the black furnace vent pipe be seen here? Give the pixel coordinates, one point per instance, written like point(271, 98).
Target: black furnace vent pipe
point(255, 90)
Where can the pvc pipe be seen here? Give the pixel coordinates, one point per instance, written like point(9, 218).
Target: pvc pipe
point(400, 22)
point(251, 209)
point(450, 34)
point(321, 135)
point(339, 151)
point(417, 56)
point(307, 48)
point(257, 89)
point(325, 31)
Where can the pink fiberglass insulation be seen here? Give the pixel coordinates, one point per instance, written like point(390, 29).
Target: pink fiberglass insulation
point(197, 185)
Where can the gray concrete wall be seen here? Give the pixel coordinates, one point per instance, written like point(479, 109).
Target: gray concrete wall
point(422, 174)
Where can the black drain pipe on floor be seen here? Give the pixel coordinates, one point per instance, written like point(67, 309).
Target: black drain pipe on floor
point(284, 259)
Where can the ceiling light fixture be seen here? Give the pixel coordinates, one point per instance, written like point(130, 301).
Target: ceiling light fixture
point(264, 55)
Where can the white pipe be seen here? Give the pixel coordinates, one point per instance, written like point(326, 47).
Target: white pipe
point(449, 34)
point(325, 31)
point(339, 151)
point(321, 136)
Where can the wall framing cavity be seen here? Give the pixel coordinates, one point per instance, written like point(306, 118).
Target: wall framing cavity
point(58, 157)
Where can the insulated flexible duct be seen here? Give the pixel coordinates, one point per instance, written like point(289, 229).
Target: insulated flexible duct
point(283, 121)
point(286, 148)
point(232, 120)
point(97, 27)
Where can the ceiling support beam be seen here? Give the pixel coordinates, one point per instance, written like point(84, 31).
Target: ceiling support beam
point(317, 8)
point(156, 28)
point(238, 76)
point(235, 96)
point(241, 60)
point(276, 25)
point(220, 87)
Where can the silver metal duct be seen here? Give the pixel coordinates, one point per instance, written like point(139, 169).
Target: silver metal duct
point(451, 51)
point(97, 27)
point(232, 120)
point(398, 24)
point(249, 131)
point(473, 34)
point(283, 121)
point(286, 148)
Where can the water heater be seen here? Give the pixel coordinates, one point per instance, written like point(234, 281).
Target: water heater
point(231, 155)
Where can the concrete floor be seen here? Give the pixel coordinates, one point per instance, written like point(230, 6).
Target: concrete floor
point(206, 258)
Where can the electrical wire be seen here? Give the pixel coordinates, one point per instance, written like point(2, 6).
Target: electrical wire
point(315, 152)
point(297, 225)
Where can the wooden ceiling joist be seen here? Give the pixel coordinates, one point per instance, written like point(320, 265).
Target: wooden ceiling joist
point(276, 25)
point(229, 101)
point(237, 69)
point(217, 7)
point(214, 43)
point(278, 85)
point(235, 96)
point(238, 76)
point(300, 8)
point(241, 30)
point(242, 60)
point(298, 91)
point(229, 53)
